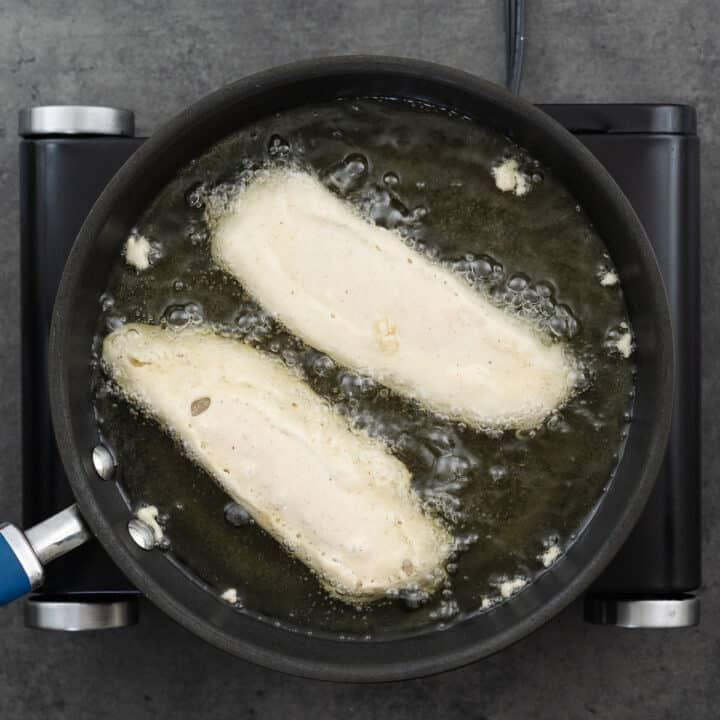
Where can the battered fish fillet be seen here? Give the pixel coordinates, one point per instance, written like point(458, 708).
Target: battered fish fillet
point(356, 292)
point(335, 498)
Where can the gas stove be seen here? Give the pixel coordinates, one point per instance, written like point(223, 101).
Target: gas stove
point(67, 156)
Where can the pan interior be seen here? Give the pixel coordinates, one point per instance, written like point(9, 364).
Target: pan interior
point(508, 498)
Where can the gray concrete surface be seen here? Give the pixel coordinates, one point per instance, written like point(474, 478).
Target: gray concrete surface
point(158, 56)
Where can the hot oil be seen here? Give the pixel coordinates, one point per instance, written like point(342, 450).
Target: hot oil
point(508, 496)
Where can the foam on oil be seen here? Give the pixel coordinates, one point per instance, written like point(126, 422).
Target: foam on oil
point(513, 500)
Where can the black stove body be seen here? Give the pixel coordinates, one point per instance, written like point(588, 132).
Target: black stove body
point(651, 151)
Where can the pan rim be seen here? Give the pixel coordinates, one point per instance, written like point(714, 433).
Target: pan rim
point(77, 468)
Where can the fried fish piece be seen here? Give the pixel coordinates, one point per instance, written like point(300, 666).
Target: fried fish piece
point(357, 292)
point(332, 496)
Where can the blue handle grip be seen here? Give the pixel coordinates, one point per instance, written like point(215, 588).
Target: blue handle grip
point(14, 581)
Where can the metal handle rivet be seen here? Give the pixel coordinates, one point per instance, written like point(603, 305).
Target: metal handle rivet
point(141, 534)
point(103, 462)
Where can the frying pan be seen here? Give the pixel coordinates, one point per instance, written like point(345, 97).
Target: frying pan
point(101, 508)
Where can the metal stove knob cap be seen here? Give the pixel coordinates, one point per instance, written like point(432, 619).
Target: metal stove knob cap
point(672, 612)
point(42, 120)
point(80, 613)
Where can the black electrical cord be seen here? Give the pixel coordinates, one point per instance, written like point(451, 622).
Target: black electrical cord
point(514, 42)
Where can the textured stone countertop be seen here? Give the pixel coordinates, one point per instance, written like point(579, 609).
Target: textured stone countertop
point(156, 58)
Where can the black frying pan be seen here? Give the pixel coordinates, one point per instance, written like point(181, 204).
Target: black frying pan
point(86, 276)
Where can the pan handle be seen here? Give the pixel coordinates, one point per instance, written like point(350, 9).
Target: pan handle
point(23, 554)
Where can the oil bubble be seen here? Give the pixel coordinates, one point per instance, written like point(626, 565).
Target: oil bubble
point(391, 179)
point(517, 283)
point(451, 467)
point(348, 174)
point(180, 316)
point(413, 597)
point(464, 542)
point(446, 610)
point(290, 357)
point(196, 196)
point(384, 209)
point(253, 323)
point(236, 515)
point(544, 290)
point(323, 366)
point(278, 148)
point(113, 322)
point(559, 325)
point(352, 385)
point(197, 237)
point(556, 423)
